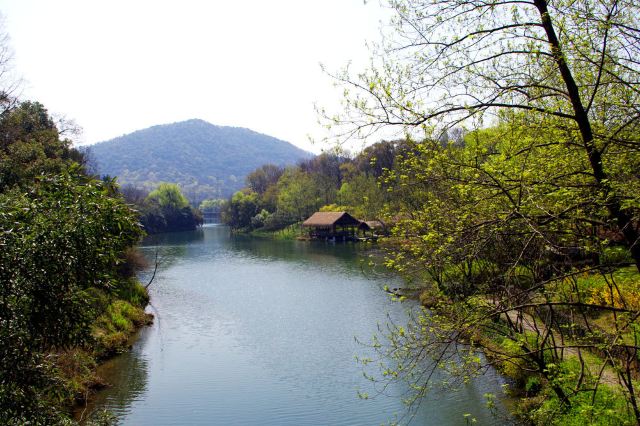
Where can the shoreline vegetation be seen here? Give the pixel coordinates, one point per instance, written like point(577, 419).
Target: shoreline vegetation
point(112, 332)
point(70, 297)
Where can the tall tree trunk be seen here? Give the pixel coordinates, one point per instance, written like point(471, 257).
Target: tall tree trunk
point(623, 219)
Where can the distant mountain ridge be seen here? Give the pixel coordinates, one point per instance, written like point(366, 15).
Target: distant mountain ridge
point(208, 161)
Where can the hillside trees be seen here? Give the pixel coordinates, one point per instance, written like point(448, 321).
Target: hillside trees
point(207, 161)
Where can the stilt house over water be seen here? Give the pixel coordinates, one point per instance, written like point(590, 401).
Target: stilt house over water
point(338, 226)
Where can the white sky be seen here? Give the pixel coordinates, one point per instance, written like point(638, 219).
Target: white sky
point(116, 66)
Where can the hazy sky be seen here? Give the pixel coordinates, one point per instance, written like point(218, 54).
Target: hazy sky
point(121, 65)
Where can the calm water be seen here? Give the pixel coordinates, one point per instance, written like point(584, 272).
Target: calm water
point(258, 332)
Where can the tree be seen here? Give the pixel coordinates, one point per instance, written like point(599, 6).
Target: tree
point(65, 241)
point(377, 158)
point(166, 209)
point(526, 285)
point(324, 170)
point(168, 195)
point(514, 226)
point(298, 195)
point(264, 177)
point(363, 196)
point(568, 64)
point(240, 209)
point(133, 195)
point(30, 145)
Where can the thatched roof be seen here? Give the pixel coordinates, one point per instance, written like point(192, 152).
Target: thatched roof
point(327, 219)
point(370, 225)
point(375, 224)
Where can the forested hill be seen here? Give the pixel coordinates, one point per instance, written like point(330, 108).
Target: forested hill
point(207, 161)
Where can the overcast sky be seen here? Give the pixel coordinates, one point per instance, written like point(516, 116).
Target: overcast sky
point(121, 65)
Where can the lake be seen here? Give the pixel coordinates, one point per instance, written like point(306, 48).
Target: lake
point(252, 331)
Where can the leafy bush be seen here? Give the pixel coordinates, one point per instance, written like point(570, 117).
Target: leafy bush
point(616, 256)
point(608, 409)
point(61, 243)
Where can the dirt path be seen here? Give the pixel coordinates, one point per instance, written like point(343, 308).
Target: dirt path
point(528, 323)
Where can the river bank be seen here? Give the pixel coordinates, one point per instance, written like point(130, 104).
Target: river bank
point(113, 332)
point(544, 360)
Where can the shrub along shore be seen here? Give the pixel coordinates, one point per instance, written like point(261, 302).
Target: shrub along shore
point(68, 296)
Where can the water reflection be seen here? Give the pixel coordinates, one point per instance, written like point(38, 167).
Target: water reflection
point(175, 238)
point(126, 379)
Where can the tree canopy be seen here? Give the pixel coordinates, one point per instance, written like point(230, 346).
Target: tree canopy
point(168, 195)
point(570, 65)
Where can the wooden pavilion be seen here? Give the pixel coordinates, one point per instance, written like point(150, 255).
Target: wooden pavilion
point(336, 226)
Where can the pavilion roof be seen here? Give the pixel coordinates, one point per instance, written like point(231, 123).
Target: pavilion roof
point(326, 219)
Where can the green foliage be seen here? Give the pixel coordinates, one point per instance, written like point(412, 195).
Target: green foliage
point(62, 241)
point(298, 195)
point(75, 371)
point(30, 146)
point(334, 208)
point(130, 290)
point(67, 234)
point(211, 204)
point(328, 182)
point(112, 329)
point(608, 408)
point(362, 194)
point(241, 209)
point(64, 238)
point(165, 209)
point(259, 220)
point(507, 224)
point(616, 255)
point(168, 196)
point(533, 385)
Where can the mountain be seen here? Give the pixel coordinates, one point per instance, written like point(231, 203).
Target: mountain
point(207, 161)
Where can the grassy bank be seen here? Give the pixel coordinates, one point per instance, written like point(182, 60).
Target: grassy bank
point(74, 369)
point(291, 232)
